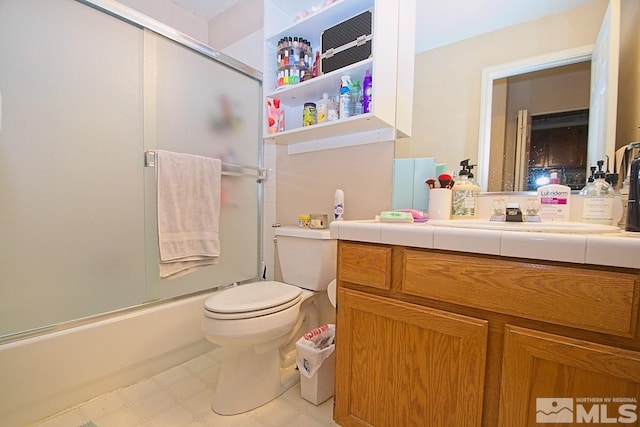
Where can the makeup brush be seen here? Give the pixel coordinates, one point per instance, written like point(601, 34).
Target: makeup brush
point(431, 183)
point(445, 180)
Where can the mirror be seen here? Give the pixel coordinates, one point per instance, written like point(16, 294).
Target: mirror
point(450, 86)
point(498, 152)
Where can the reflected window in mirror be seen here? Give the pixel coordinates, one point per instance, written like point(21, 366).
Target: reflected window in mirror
point(558, 143)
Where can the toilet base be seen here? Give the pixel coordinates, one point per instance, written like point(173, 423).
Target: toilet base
point(249, 380)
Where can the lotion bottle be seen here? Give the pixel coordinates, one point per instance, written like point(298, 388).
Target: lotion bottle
point(554, 200)
point(464, 195)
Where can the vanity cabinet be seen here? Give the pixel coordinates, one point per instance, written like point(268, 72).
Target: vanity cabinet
point(391, 66)
point(440, 338)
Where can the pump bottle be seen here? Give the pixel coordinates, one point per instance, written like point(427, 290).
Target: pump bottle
point(597, 199)
point(633, 206)
point(464, 195)
point(345, 97)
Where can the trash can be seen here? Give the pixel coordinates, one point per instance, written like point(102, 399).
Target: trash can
point(315, 357)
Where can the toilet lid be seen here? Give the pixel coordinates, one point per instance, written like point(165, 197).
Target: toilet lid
point(252, 299)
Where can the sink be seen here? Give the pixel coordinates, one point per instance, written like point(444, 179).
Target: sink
point(540, 227)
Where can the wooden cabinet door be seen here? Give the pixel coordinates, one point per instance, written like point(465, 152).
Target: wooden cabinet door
point(400, 364)
point(557, 380)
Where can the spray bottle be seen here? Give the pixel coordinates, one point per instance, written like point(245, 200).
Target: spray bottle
point(345, 97)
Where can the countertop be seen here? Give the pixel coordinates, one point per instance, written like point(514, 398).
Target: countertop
point(621, 249)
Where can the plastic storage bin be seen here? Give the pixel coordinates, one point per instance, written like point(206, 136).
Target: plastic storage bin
point(316, 361)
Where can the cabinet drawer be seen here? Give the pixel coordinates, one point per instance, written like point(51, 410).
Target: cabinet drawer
point(364, 264)
point(595, 300)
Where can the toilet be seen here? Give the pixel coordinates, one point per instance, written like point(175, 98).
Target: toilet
point(257, 324)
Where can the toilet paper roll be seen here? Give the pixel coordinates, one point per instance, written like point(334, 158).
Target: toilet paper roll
point(440, 203)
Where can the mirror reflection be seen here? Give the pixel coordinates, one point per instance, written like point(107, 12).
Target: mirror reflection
point(539, 125)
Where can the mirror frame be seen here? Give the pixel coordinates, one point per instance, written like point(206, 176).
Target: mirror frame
point(489, 74)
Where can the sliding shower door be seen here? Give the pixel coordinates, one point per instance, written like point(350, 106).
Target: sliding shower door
point(199, 106)
point(83, 94)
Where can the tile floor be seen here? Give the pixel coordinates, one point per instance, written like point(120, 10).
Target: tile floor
point(181, 396)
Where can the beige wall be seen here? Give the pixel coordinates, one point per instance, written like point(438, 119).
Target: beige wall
point(305, 183)
point(448, 79)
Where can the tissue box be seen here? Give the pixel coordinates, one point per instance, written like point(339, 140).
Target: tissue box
point(347, 42)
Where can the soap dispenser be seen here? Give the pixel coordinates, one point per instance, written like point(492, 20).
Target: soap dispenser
point(633, 205)
point(597, 199)
point(464, 195)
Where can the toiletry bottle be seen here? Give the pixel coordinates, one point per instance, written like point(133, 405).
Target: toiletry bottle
point(323, 108)
point(633, 205)
point(597, 199)
point(367, 92)
point(356, 98)
point(338, 205)
point(345, 97)
point(554, 199)
point(464, 196)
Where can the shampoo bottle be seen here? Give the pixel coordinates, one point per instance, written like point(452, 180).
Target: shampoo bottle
point(464, 196)
point(554, 200)
point(323, 108)
point(367, 92)
point(597, 199)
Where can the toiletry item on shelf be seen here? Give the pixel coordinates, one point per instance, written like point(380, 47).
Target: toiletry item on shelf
point(318, 221)
point(394, 216)
point(323, 108)
point(439, 203)
point(597, 199)
point(309, 114)
point(332, 108)
point(345, 97)
point(356, 98)
point(633, 204)
point(273, 114)
point(338, 205)
point(464, 195)
point(554, 199)
point(624, 201)
point(367, 92)
point(303, 220)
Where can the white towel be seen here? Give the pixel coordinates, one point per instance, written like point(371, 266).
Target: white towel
point(188, 207)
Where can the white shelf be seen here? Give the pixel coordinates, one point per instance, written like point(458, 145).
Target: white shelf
point(392, 46)
point(311, 90)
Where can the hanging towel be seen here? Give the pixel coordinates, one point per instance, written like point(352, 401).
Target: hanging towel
point(188, 207)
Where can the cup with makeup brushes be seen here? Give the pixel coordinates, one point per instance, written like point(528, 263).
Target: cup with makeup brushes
point(439, 203)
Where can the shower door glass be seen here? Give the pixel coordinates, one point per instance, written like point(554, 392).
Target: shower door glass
point(83, 95)
point(71, 185)
point(198, 106)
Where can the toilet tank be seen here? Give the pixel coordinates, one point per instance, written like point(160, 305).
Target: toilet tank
point(307, 257)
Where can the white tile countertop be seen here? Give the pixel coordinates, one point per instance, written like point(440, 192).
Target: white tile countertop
point(619, 249)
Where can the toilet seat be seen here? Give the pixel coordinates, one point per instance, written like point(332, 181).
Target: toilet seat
point(252, 300)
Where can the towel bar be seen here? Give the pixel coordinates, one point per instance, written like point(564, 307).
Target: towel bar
point(227, 168)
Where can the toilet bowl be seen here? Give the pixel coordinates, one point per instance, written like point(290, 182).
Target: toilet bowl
point(257, 324)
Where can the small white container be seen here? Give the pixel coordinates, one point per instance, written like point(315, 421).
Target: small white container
point(440, 203)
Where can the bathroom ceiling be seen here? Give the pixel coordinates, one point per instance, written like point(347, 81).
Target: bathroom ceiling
point(441, 22)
